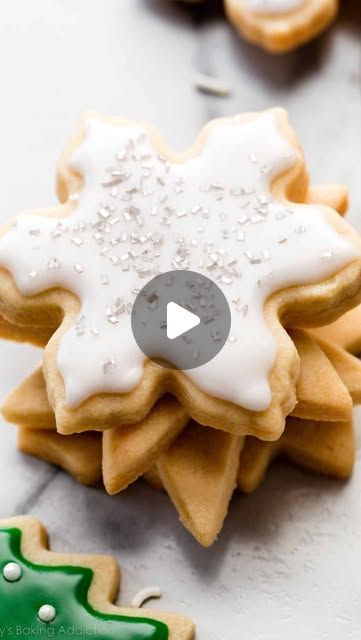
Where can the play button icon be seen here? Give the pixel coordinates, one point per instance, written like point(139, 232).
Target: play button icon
point(181, 319)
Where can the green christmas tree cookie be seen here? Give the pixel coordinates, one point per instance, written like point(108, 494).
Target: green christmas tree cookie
point(43, 594)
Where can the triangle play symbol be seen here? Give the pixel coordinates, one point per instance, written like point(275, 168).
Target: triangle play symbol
point(179, 320)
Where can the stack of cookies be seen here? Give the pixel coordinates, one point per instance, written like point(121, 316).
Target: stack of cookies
point(238, 209)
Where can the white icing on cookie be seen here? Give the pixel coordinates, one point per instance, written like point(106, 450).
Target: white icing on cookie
point(138, 215)
point(274, 6)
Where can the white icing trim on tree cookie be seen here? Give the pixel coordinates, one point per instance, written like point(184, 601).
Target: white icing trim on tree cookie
point(274, 6)
point(138, 215)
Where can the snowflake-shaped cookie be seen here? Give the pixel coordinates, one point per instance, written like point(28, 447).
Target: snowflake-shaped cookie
point(140, 210)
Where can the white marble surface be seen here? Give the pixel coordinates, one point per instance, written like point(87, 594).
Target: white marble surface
point(288, 562)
